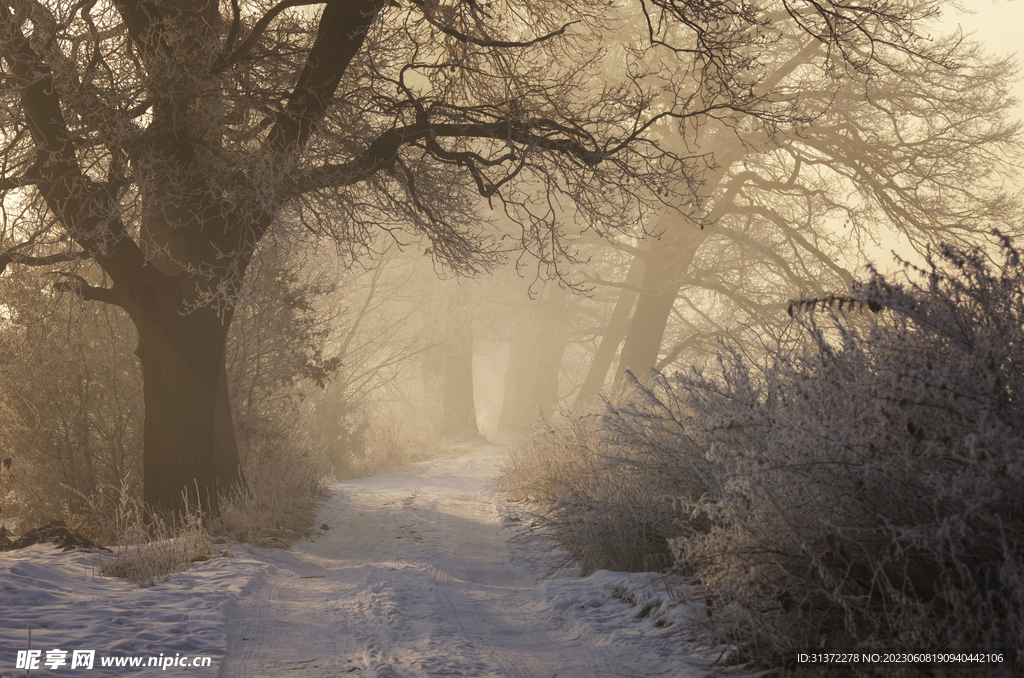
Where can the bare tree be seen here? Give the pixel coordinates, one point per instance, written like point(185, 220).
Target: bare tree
point(840, 120)
point(160, 140)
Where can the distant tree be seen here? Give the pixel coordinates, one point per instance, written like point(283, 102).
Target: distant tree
point(458, 402)
point(822, 126)
point(379, 330)
point(537, 333)
point(447, 365)
point(159, 141)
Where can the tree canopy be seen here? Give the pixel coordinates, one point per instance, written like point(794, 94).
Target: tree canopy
point(824, 127)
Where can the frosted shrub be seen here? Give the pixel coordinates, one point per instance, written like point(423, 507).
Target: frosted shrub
point(655, 435)
point(278, 503)
point(601, 490)
point(873, 495)
point(549, 455)
point(70, 409)
point(601, 518)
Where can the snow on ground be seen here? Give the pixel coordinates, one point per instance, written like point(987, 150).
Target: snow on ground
point(412, 577)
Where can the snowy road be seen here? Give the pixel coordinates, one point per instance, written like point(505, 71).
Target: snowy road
point(413, 578)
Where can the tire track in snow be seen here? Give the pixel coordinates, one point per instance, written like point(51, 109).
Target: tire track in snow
point(322, 608)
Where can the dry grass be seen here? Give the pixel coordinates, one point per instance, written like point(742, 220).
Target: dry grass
point(277, 506)
point(149, 549)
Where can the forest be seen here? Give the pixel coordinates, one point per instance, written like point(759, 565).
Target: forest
point(250, 248)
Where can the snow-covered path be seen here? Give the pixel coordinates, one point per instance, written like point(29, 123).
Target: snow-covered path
point(414, 578)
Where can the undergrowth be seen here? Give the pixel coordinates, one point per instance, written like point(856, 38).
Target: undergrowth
point(278, 503)
point(859, 486)
point(149, 547)
point(874, 478)
point(598, 494)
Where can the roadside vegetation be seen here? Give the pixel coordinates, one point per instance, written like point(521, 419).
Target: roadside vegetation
point(71, 420)
point(223, 228)
point(856, 486)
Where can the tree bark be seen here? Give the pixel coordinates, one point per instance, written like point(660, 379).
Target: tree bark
point(182, 360)
point(165, 250)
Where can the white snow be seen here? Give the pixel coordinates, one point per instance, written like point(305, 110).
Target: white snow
point(413, 577)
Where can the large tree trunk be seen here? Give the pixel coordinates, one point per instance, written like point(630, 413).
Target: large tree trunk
point(182, 360)
point(666, 264)
point(165, 251)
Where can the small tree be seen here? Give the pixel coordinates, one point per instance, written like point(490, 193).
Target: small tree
point(278, 347)
point(72, 405)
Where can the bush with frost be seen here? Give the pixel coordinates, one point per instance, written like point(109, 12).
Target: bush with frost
point(873, 493)
point(601, 488)
point(601, 518)
point(70, 407)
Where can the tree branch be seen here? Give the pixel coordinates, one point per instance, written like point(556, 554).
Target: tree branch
point(383, 151)
point(462, 37)
point(140, 17)
point(692, 340)
point(55, 156)
point(257, 30)
point(76, 284)
point(85, 208)
point(340, 35)
point(10, 183)
point(793, 235)
point(13, 257)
